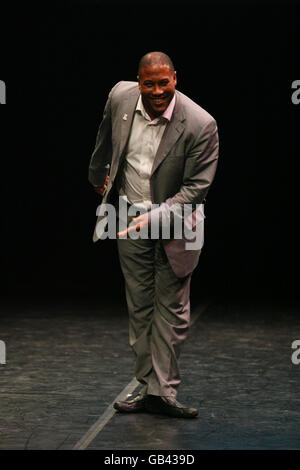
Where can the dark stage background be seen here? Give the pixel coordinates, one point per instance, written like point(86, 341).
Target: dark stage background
point(237, 60)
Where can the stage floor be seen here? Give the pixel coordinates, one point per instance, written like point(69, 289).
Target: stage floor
point(66, 364)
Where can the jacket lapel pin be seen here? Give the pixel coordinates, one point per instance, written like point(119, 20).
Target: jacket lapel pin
point(125, 117)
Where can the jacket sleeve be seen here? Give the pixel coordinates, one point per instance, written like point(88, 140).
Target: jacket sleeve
point(102, 154)
point(199, 171)
point(200, 168)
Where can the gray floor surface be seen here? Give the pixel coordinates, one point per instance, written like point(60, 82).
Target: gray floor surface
point(66, 364)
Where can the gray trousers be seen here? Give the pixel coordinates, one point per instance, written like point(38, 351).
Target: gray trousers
point(159, 313)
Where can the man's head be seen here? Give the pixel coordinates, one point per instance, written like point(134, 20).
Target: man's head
point(157, 81)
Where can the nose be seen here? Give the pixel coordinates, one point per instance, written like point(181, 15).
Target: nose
point(157, 90)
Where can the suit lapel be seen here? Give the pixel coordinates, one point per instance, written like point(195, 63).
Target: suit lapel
point(171, 134)
point(129, 106)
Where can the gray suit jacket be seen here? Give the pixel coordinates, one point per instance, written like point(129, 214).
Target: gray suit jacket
point(183, 168)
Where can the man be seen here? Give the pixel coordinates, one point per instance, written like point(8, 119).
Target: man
point(161, 148)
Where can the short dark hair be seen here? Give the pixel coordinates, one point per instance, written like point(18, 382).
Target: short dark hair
point(155, 58)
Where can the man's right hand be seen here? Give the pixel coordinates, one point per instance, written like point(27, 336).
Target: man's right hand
point(101, 189)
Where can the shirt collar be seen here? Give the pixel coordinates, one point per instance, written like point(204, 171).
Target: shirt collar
point(166, 115)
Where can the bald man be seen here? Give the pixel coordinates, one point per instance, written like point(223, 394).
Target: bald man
point(160, 148)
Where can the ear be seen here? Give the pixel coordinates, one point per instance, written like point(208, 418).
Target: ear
point(175, 78)
point(139, 83)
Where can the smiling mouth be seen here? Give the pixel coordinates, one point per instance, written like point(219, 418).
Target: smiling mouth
point(158, 100)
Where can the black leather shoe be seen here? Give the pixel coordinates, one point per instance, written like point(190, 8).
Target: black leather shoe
point(132, 405)
point(168, 406)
